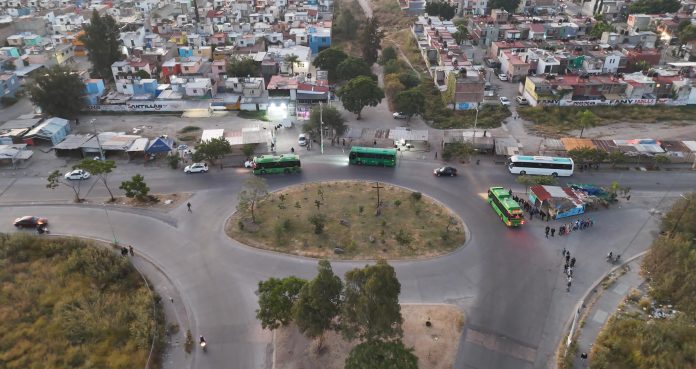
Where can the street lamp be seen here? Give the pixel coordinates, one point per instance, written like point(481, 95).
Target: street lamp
point(321, 128)
point(94, 126)
point(475, 123)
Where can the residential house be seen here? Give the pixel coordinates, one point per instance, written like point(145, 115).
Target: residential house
point(200, 87)
point(282, 88)
point(303, 54)
point(318, 38)
point(465, 87)
point(513, 66)
point(639, 86)
point(94, 89)
point(9, 84)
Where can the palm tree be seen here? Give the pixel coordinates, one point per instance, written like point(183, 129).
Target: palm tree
point(292, 59)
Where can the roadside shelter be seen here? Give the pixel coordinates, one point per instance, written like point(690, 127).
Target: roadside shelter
point(160, 145)
point(560, 202)
point(52, 129)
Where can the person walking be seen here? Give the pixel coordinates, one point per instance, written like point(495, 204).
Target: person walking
point(567, 257)
point(131, 251)
point(553, 230)
point(124, 251)
point(548, 229)
point(435, 155)
point(572, 262)
point(568, 286)
point(563, 252)
point(188, 205)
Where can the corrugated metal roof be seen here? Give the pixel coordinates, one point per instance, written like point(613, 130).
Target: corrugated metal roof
point(577, 143)
point(691, 145)
point(73, 142)
point(674, 146)
point(407, 134)
point(138, 145)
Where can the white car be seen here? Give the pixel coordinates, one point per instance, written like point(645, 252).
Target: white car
point(502, 77)
point(77, 174)
point(504, 101)
point(248, 164)
point(398, 115)
point(521, 100)
point(196, 168)
point(302, 139)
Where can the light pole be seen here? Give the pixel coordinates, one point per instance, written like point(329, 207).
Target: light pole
point(475, 123)
point(94, 126)
point(321, 128)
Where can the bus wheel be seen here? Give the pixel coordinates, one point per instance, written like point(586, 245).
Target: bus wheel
point(522, 172)
point(554, 174)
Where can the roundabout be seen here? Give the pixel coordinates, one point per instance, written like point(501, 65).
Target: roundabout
point(350, 220)
point(508, 282)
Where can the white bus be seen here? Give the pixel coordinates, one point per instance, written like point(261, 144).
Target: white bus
point(540, 165)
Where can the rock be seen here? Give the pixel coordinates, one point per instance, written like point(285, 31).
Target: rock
point(345, 222)
point(339, 250)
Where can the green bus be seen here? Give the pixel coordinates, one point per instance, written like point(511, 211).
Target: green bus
point(508, 209)
point(372, 156)
point(286, 163)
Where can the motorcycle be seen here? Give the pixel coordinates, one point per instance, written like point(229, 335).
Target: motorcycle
point(203, 344)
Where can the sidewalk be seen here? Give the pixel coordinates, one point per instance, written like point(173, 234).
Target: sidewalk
point(603, 306)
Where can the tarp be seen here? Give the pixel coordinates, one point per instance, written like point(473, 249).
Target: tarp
point(159, 145)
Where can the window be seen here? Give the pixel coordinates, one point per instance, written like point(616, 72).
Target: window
point(195, 91)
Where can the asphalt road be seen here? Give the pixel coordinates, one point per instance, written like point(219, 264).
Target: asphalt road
point(508, 282)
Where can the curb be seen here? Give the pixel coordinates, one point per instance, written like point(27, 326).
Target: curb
point(568, 330)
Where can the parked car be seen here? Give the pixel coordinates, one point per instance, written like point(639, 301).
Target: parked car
point(398, 115)
point(504, 101)
point(77, 174)
point(502, 77)
point(521, 100)
point(196, 168)
point(30, 221)
point(302, 139)
point(445, 171)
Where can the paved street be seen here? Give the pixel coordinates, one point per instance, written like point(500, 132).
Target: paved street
point(508, 282)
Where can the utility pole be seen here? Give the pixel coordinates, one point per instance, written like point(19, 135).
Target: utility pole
point(96, 134)
point(475, 123)
point(321, 128)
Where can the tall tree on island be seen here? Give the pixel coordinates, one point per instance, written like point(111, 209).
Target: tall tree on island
point(102, 44)
point(371, 40)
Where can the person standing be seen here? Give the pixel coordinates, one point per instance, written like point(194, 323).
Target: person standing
point(553, 230)
point(568, 285)
point(188, 205)
point(548, 229)
point(567, 257)
point(572, 262)
point(131, 251)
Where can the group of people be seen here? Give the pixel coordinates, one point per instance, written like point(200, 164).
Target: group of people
point(531, 209)
point(578, 225)
point(127, 250)
point(568, 268)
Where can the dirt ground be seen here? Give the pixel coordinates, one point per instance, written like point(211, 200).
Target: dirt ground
point(404, 228)
point(435, 346)
point(176, 200)
point(664, 131)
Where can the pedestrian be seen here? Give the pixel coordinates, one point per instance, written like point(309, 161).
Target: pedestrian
point(563, 252)
point(628, 198)
point(565, 268)
point(484, 133)
point(570, 272)
point(292, 149)
point(343, 142)
point(583, 356)
point(510, 191)
point(374, 143)
point(568, 288)
point(130, 250)
point(553, 230)
point(435, 155)
point(567, 257)
point(77, 122)
point(572, 262)
point(188, 205)
point(124, 251)
point(547, 230)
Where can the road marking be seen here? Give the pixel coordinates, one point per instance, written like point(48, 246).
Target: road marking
point(8, 186)
point(501, 344)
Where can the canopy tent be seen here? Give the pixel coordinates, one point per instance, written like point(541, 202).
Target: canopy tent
point(159, 145)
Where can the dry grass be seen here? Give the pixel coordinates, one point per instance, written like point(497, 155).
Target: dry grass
point(405, 228)
point(553, 121)
point(435, 347)
point(176, 198)
point(349, 44)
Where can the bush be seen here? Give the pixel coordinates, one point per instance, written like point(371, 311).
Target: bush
point(319, 222)
point(253, 114)
point(403, 238)
point(173, 161)
point(416, 196)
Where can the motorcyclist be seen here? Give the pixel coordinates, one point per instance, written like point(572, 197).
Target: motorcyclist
point(203, 343)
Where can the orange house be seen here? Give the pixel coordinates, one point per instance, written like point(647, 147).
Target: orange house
point(78, 45)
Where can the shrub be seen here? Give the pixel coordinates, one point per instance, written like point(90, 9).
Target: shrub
point(189, 129)
point(319, 222)
point(397, 203)
point(416, 196)
point(403, 238)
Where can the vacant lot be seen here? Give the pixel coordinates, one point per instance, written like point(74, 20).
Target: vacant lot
point(435, 346)
point(553, 120)
point(409, 225)
point(66, 303)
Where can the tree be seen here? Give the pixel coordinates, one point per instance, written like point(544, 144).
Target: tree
point(371, 307)
point(318, 303)
point(136, 188)
point(461, 34)
point(371, 40)
point(392, 85)
point(441, 9)
point(360, 92)
point(212, 149)
point(254, 191)
point(55, 179)
point(292, 59)
point(388, 53)
point(529, 181)
point(458, 151)
point(617, 157)
point(242, 67)
point(509, 5)
point(381, 355)
point(641, 66)
point(346, 24)
point(599, 28)
point(248, 150)
point(328, 60)
point(654, 6)
point(333, 120)
point(410, 102)
point(587, 155)
point(352, 67)
point(101, 169)
point(142, 74)
point(409, 80)
point(101, 39)
point(277, 298)
point(59, 92)
point(586, 119)
point(318, 221)
point(686, 34)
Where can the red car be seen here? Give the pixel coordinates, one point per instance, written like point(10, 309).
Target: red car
point(30, 221)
